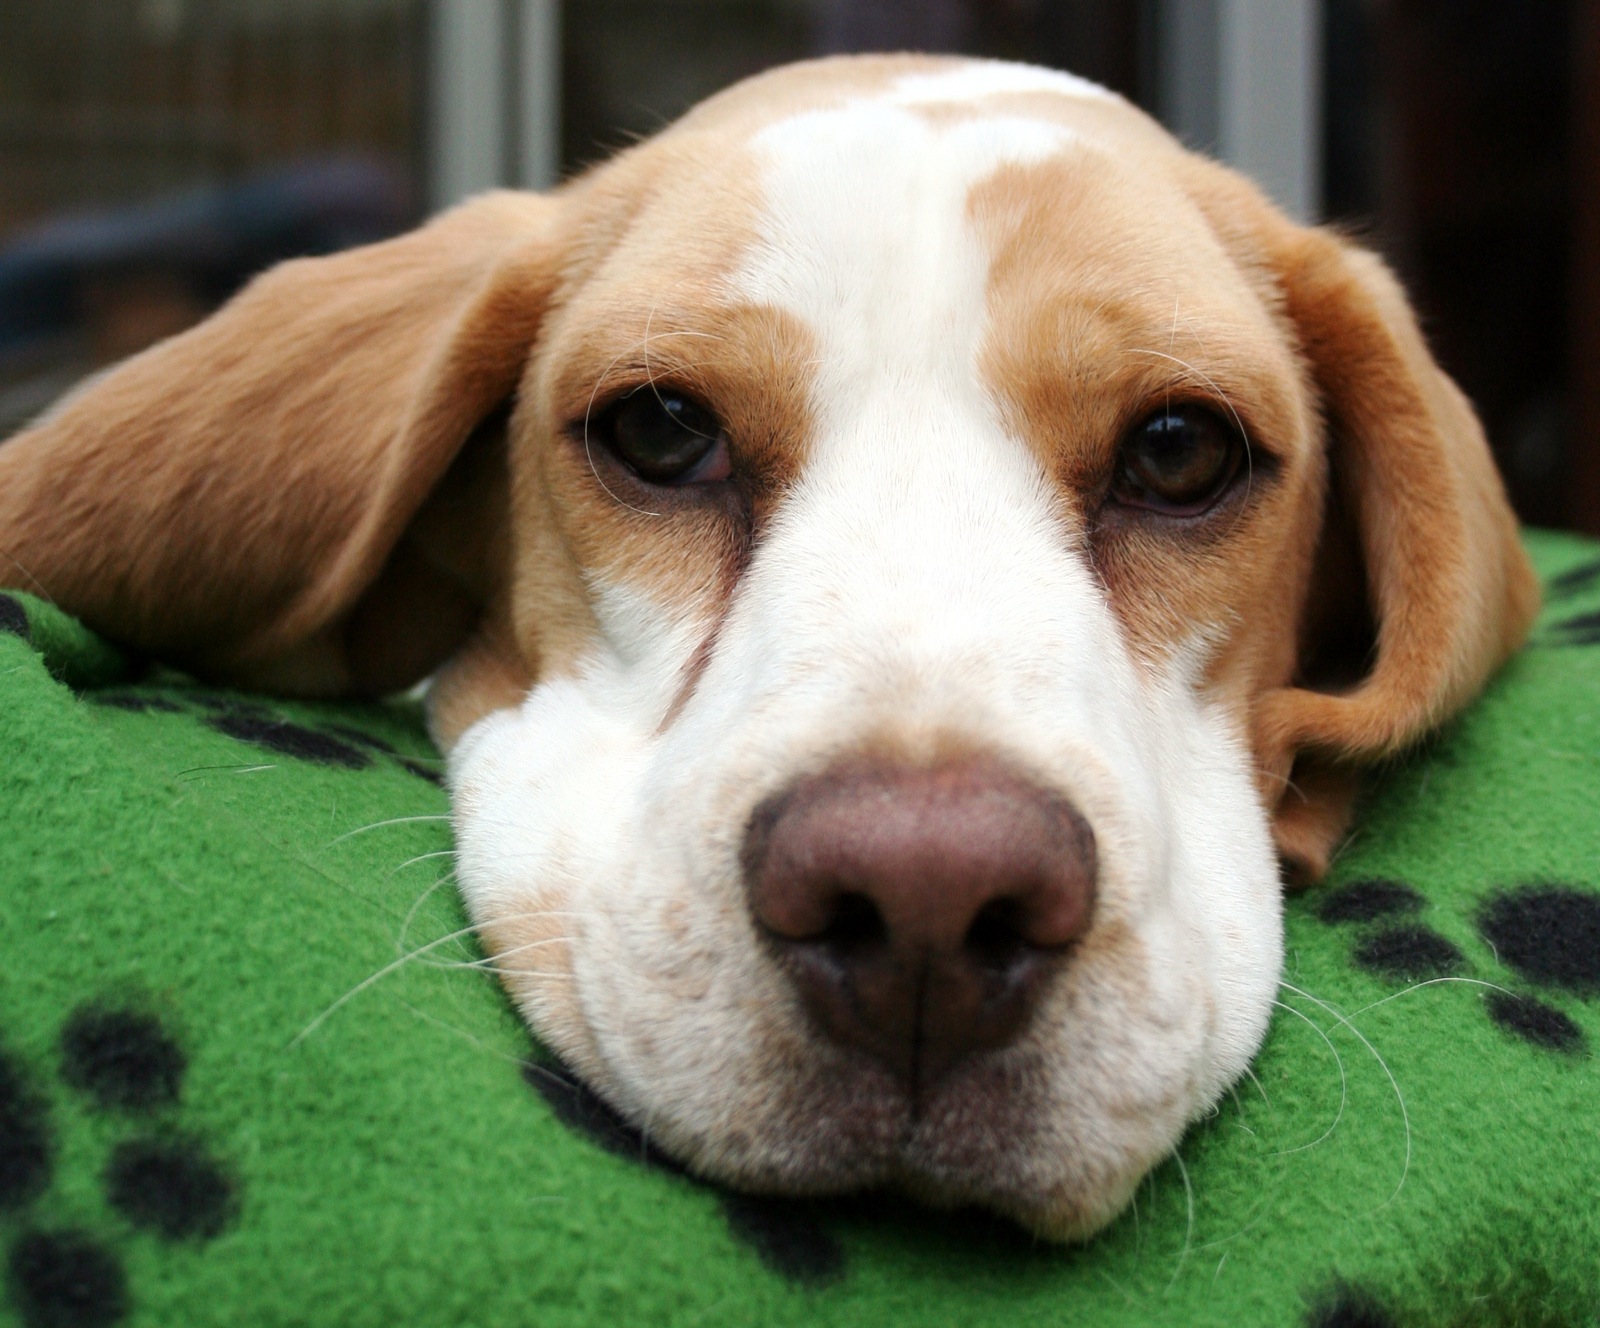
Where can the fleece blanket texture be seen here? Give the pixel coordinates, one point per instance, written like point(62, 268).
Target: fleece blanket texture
point(254, 1070)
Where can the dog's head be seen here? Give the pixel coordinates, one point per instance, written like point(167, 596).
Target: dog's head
point(903, 555)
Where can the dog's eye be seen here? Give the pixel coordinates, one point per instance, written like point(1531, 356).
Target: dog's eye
point(1178, 461)
point(664, 437)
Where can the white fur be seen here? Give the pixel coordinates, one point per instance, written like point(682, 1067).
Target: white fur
point(921, 581)
point(991, 78)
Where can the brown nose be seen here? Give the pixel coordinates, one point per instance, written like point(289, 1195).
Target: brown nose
point(920, 911)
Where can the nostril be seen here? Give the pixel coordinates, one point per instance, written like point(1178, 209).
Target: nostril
point(856, 925)
point(996, 937)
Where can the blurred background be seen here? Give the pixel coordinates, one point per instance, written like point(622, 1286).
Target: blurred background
point(156, 153)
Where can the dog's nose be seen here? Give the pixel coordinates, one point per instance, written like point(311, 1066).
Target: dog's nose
point(920, 912)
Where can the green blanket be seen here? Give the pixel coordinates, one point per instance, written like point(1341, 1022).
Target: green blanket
point(253, 1069)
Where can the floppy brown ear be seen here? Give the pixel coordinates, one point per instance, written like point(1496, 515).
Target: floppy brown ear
point(237, 499)
point(1417, 519)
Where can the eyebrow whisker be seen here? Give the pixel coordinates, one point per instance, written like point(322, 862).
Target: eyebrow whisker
point(588, 448)
point(1209, 381)
point(643, 344)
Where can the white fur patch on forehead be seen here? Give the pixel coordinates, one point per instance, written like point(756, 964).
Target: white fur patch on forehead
point(989, 78)
point(865, 234)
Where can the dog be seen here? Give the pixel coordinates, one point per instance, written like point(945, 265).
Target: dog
point(908, 560)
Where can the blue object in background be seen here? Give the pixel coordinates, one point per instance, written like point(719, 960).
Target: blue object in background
point(211, 239)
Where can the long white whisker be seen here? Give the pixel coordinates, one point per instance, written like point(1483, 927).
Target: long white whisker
point(411, 913)
point(368, 981)
point(1201, 374)
point(650, 377)
point(1432, 982)
point(1188, 1230)
point(188, 775)
point(588, 449)
point(1343, 1085)
point(1233, 1236)
point(1172, 345)
point(461, 1032)
point(407, 957)
point(378, 825)
point(1249, 452)
point(1399, 1097)
point(491, 963)
point(1209, 381)
point(424, 857)
point(1259, 1088)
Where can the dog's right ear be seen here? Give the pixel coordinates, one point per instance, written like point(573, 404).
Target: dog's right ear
point(237, 499)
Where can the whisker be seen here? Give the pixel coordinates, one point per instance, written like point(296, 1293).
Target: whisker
point(38, 585)
point(1432, 982)
point(232, 769)
point(681, 332)
point(424, 857)
point(1285, 781)
point(369, 981)
point(491, 963)
point(461, 1032)
point(1399, 1097)
point(588, 449)
point(1343, 1083)
point(411, 913)
point(1201, 374)
point(1245, 1230)
point(1117, 1286)
point(1188, 1230)
point(407, 957)
point(650, 373)
point(1249, 458)
point(1172, 345)
point(378, 825)
point(650, 377)
point(559, 1080)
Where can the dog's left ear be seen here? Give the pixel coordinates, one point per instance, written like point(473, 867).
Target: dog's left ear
point(251, 499)
point(1414, 496)
point(1421, 588)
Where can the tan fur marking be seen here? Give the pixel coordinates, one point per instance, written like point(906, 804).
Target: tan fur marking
point(656, 309)
point(1100, 316)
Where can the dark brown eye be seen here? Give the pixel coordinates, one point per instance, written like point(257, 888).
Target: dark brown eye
point(664, 437)
point(1178, 461)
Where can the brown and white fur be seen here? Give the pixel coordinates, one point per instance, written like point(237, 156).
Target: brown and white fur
point(926, 298)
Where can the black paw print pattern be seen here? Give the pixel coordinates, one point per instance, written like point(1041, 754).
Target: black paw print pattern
point(787, 1235)
point(1576, 629)
point(343, 746)
point(1391, 946)
point(329, 744)
point(1347, 1306)
point(1547, 934)
point(14, 618)
point(160, 1180)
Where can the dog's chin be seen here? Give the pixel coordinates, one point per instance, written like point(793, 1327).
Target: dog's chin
point(976, 1140)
